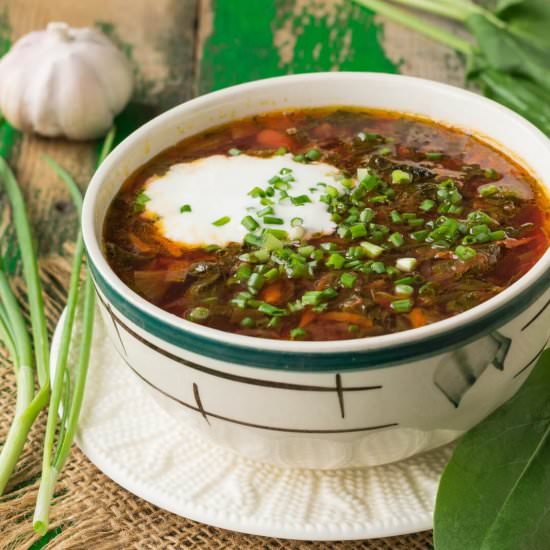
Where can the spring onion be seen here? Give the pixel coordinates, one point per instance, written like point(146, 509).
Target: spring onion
point(54, 459)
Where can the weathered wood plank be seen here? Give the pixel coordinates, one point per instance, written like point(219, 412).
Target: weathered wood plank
point(157, 36)
point(243, 40)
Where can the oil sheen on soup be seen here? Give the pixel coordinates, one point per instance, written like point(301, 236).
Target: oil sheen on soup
point(325, 224)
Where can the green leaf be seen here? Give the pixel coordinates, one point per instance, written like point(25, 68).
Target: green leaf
point(519, 94)
point(528, 18)
point(507, 52)
point(495, 491)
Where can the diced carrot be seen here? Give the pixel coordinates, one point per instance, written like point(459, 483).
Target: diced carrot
point(272, 293)
point(417, 317)
point(307, 317)
point(345, 317)
point(140, 245)
point(274, 139)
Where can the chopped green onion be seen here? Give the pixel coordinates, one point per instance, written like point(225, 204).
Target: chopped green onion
point(248, 322)
point(271, 310)
point(427, 205)
point(300, 200)
point(395, 217)
point(298, 334)
point(140, 201)
point(488, 190)
point(222, 221)
point(281, 151)
point(234, 152)
point(249, 223)
point(367, 215)
point(295, 222)
point(243, 273)
point(271, 242)
point(271, 274)
point(273, 220)
point(256, 192)
point(384, 151)
point(402, 306)
point(278, 233)
point(336, 260)
point(497, 235)
point(256, 281)
point(348, 280)
point(396, 239)
point(372, 250)
point(299, 158)
point(400, 176)
point(358, 230)
point(313, 154)
point(465, 253)
point(265, 211)
point(406, 264)
point(421, 235)
point(199, 314)
point(403, 290)
point(185, 208)
point(378, 267)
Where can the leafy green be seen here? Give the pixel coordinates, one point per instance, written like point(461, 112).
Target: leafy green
point(528, 18)
point(495, 491)
point(505, 51)
point(509, 59)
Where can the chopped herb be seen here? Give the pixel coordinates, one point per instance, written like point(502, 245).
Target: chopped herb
point(185, 208)
point(234, 152)
point(372, 250)
point(348, 280)
point(402, 306)
point(249, 223)
point(465, 253)
point(313, 154)
point(488, 190)
point(300, 200)
point(400, 176)
point(336, 261)
point(248, 322)
point(298, 334)
point(222, 221)
point(396, 239)
point(273, 220)
point(406, 264)
point(199, 314)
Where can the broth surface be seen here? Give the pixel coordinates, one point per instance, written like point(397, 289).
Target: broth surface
point(426, 222)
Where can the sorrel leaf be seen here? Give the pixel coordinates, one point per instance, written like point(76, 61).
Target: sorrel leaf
point(495, 491)
point(508, 52)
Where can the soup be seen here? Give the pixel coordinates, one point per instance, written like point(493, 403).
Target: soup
point(325, 224)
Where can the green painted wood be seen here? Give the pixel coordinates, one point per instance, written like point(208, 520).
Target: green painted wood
point(250, 40)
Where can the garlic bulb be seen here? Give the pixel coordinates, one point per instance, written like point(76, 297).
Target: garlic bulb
point(64, 82)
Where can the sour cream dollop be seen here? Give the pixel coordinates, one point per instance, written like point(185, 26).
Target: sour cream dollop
point(218, 187)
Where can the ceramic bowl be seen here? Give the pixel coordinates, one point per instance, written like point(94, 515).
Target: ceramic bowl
point(328, 404)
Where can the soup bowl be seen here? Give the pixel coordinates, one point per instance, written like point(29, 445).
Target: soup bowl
point(329, 404)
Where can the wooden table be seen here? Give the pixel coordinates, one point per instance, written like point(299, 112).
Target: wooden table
point(181, 48)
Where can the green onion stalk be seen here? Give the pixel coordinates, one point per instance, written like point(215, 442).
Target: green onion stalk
point(55, 456)
point(14, 334)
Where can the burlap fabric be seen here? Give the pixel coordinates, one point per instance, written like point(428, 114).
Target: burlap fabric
point(92, 512)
